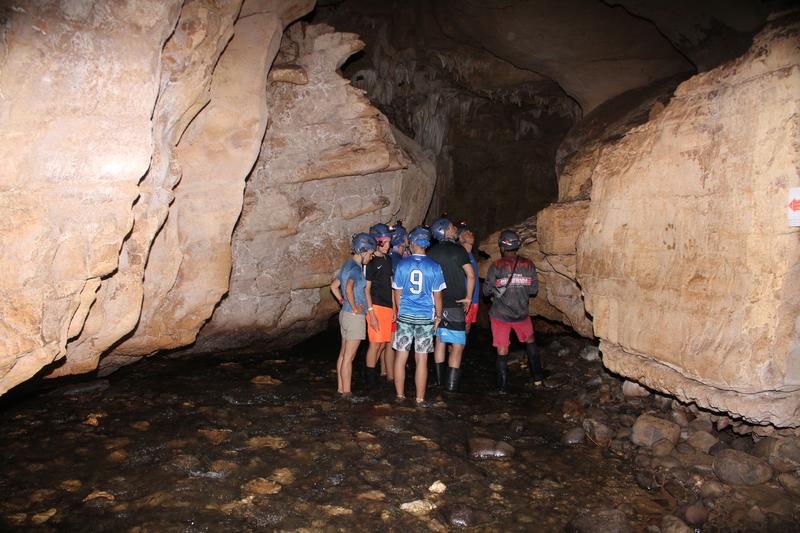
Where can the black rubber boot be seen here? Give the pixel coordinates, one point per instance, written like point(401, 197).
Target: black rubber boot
point(501, 373)
point(453, 377)
point(371, 377)
point(441, 374)
point(535, 363)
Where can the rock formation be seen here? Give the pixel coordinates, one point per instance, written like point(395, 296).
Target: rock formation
point(190, 260)
point(188, 60)
point(551, 235)
point(686, 261)
point(96, 104)
point(330, 166)
point(79, 83)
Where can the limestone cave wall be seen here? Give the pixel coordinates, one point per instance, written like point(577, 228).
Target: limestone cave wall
point(686, 260)
point(129, 130)
point(187, 173)
point(330, 166)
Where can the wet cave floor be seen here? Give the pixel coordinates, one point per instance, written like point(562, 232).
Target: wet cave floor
point(236, 442)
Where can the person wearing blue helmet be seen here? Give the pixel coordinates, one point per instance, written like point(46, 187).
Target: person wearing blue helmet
point(418, 284)
point(466, 238)
point(352, 323)
point(399, 244)
point(380, 307)
point(457, 298)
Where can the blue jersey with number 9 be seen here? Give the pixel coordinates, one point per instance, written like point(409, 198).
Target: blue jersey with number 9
point(419, 277)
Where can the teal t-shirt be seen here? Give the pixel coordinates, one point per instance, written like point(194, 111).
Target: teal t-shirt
point(352, 270)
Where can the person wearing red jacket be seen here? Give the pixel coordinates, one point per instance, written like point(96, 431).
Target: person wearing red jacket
point(510, 282)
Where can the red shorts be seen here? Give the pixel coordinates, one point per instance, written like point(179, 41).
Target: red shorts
point(501, 331)
point(472, 314)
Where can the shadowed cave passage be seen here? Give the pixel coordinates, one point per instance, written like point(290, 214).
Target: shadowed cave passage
point(181, 179)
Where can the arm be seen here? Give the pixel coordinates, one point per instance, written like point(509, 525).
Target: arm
point(394, 302)
point(396, 294)
point(336, 286)
point(470, 273)
point(488, 283)
point(351, 296)
point(371, 316)
point(533, 290)
point(437, 303)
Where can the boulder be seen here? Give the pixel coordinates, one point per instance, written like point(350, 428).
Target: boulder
point(702, 441)
point(673, 524)
point(632, 389)
point(598, 431)
point(483, 448)
point(602, 521)
point(739, 468)
point(573, 436)
point(650, 429)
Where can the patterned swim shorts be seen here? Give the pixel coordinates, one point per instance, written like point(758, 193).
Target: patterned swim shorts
point(412, 331)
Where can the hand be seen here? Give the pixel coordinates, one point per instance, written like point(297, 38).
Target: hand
point(465, 303)
point(357, 310)
point(436, 321)
point(373, 320)
point(394, 315)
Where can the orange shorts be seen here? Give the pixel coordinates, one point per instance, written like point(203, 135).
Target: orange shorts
point(384, 331)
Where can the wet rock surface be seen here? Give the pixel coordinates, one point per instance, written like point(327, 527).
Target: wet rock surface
point(210, 444)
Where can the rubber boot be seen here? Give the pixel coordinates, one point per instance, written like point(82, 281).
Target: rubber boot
point(535, 363)
point(501, 373)
point(453, 377)
point(371, 377)
point(441, 374)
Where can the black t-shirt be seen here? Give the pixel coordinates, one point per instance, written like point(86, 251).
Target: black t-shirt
point(451, 257)
point(379, 272)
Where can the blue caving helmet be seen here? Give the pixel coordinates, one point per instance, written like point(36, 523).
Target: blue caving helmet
point(380, 231)
point(421, 236)
point(399, 234)
point(439, 227)
point(364, 242)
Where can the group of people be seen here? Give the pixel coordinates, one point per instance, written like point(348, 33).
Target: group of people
point(420, 291)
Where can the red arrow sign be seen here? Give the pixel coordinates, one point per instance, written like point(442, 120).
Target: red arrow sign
point(794, 205)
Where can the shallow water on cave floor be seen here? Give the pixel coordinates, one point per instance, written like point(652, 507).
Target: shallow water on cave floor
point(198, 444)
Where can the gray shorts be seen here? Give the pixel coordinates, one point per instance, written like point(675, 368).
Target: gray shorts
point(420, 336)
point(353, 327)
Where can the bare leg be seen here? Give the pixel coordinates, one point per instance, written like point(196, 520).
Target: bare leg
point(382, 358)
point(388, 356)
point(372, 354)
point(400, 373)
point(339, 368)
point(421, 374)
point(351, 347)
point(439, 350)
point(456, 351)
